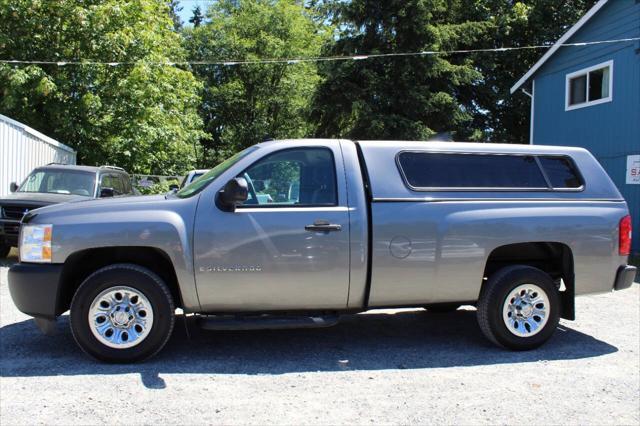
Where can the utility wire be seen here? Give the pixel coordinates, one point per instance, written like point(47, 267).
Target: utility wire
point(232, 62)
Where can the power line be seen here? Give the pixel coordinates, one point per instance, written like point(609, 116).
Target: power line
point(233, 62)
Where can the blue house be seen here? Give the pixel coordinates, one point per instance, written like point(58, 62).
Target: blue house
point(589, 96)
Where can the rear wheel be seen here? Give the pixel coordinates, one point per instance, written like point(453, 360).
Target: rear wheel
point(519, 308)
point(4, 251)
point(122, 313)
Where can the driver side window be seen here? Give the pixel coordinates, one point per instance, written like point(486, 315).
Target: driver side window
point(293, 177)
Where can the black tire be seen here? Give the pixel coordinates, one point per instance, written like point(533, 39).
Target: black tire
point(493, 297)
point(139, 279)
point(4, 251)
point(442, 308)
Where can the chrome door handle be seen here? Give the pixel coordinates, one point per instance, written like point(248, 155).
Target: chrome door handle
point(322, 226)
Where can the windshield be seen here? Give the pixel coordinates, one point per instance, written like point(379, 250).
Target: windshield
point(198, 185)
point(60, 182)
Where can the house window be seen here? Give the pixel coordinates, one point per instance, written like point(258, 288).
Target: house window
point(590, 86)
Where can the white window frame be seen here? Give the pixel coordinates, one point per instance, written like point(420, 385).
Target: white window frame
point(586, 72)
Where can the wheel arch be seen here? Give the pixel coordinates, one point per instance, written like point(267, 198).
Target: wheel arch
point(554, 258)
point(82, 264)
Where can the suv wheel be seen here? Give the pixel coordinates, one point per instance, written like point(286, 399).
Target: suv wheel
point(519, 308)
point(122, 313)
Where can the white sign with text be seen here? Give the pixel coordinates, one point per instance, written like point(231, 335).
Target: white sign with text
point(633, 169)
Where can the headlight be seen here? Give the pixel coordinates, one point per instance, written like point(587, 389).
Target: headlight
point(35, 243)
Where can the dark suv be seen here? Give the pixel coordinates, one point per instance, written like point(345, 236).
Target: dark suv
point(53, 184)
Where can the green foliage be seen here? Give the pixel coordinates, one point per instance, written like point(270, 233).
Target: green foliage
point(411, 98)
point(245, 104)
point(138, 116)
point(157, 188)
point(400, 97)
point(154, 119)
point(499, 115)
point(174, 13)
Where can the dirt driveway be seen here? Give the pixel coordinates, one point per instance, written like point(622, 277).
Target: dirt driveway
point(390, 367)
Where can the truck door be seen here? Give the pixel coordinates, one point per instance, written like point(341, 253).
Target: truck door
point(287, 246)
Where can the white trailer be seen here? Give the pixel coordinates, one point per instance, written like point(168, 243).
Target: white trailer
point(23, 148)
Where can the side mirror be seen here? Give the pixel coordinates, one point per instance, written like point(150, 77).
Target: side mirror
point(106, 192)
point(174, 187)
point(13, 187)
point(235, 192)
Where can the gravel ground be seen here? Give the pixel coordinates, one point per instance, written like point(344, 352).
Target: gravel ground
point(389, 367)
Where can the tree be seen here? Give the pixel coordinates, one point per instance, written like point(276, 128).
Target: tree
point(246, 103)
point(402, 97)
point(174, 12)
point(499, 115)
point(197, 18)
point(412, 97)
point(136, 115)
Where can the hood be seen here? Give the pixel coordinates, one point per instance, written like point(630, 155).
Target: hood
point(38, 198)
point(104, 204)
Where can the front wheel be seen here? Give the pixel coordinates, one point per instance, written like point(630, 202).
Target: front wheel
point(519, 308)
point(122, 313)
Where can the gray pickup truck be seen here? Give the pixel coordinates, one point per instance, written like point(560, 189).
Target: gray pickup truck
point(294, 233)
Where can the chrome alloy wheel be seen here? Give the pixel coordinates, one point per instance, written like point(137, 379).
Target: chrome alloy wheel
point(120, 317)
point(526, 310)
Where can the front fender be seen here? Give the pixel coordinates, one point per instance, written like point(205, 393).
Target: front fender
point(165, 230)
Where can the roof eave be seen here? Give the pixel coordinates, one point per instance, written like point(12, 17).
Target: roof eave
point(37, 134)
point(558, 44)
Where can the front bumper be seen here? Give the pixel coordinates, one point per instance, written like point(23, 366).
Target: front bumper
point(35, 288)
point(625, 276)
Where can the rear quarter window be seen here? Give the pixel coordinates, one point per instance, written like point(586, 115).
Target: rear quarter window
point(561, 172)
point(428, 170)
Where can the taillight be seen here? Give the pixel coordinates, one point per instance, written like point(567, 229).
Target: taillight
point(625, 236)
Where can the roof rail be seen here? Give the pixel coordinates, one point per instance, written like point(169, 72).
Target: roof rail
point(57, 164)
point(112, 167)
